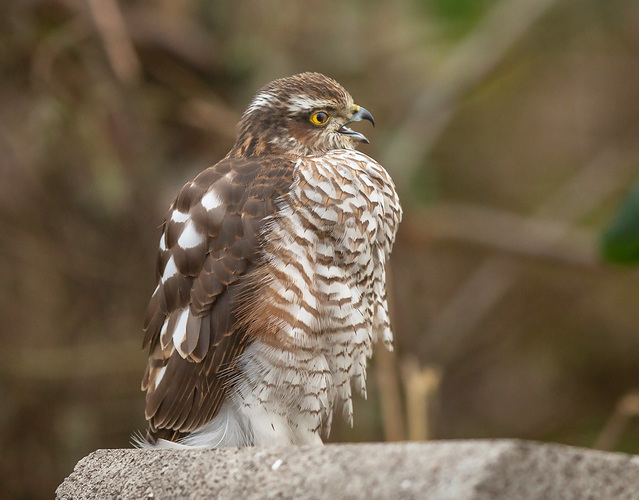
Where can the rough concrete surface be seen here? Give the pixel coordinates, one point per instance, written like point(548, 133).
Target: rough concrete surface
point(501, 469)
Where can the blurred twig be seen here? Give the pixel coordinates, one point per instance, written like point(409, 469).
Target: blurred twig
point(473, 59)
point(387, 372)
point(486, 286)
point(73, 362)
point(211, 114)
point(502, 231)
point(177, 33)
point(117, 43)
point(389, 390)
point(52, 45)
point(627, 408)
point(70, 261)
point(421, 385)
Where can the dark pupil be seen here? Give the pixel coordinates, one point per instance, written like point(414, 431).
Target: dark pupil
point(321, 117)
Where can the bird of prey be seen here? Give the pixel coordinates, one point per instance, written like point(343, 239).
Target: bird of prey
point(271, 278)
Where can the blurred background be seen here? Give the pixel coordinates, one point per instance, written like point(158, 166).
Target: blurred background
point(511, 128)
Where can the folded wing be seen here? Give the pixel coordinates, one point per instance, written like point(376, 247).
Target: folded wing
point(209, 247)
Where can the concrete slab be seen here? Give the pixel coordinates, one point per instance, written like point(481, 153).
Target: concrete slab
point(500, 469)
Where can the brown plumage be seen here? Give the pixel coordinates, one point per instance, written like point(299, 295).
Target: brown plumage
point(269, 295)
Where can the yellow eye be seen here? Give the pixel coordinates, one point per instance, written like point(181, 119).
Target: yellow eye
point(320, 118)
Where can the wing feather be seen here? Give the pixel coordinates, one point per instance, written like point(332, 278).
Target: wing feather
point(210, 243)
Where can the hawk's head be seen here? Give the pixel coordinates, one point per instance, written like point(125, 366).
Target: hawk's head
point(306, 113)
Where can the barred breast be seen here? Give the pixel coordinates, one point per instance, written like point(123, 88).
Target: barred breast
point(318, 303)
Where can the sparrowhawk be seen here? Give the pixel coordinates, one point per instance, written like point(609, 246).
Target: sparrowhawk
point(271, 278)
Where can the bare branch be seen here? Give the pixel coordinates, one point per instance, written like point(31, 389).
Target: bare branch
point(387, 372)
point(502, 231)
point(627, 407)
point(73, 362)
point(473, 59)
point(489, 283)
point(421, 384)
point(117, 43)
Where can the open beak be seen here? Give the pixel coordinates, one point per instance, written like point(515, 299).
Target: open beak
point(359, 115)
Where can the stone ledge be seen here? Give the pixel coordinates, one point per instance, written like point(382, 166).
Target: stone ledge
point(490, 470)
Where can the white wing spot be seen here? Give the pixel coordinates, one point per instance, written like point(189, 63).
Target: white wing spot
point(158, 379)
point(276, 465)
point(170, 270)
point(163, 242)
point(180, 327)
point(190, 238)
point(178, 216)
point(165, 325)
point(211, 200)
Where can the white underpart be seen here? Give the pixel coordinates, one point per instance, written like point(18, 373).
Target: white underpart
point(228, 428)
point(190, 237)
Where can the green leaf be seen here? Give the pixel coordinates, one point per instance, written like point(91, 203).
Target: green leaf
point(620, 241)
point(464, 12)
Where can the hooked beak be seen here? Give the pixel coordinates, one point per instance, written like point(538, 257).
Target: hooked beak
point(359, 115)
